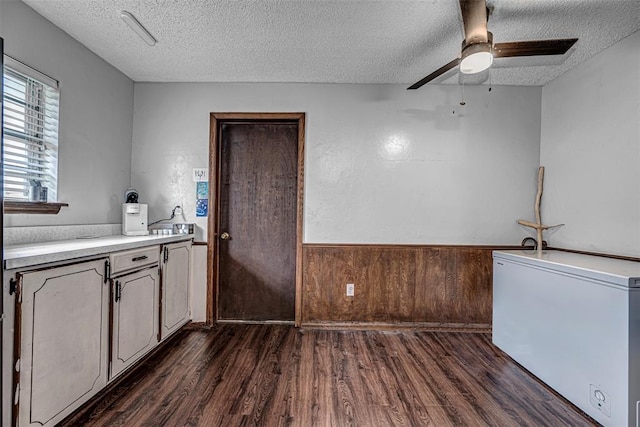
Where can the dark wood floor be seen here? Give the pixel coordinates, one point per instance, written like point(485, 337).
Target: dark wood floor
point(272, 375)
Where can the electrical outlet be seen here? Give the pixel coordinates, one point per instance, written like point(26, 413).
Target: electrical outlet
point(350, 289)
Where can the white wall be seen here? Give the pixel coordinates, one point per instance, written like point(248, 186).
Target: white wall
point(382, 164)
point(198, 289)
point(590, 146)
point(96, 118)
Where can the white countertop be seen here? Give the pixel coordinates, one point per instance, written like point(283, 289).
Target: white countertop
point(618, 271)
point(32, 254)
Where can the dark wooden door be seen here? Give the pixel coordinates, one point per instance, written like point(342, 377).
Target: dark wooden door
point(258, 194)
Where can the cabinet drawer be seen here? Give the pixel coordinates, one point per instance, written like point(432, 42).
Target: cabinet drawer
point(129, 260)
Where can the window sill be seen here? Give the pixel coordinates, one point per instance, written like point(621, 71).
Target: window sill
point(14, 207)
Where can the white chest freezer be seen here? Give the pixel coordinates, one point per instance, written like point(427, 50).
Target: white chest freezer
point(574, 322)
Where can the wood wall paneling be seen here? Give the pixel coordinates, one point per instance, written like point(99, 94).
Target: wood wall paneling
point(398, 284)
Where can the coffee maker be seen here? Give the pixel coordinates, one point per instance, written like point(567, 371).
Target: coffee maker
point(134, 215)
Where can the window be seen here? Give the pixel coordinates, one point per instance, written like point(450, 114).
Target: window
point(30, 143)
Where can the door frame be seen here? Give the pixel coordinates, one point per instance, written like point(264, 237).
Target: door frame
point(213, 221)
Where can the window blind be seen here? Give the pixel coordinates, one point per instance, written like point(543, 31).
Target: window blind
point(30, 143)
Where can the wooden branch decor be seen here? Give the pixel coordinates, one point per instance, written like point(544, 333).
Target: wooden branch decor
point(538, 226)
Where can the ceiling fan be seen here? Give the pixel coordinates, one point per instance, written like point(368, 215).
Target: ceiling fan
point(478, 49)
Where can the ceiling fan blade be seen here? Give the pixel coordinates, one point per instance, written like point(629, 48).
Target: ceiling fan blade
point(474, 19)
point(532, 48)
point(435, 74)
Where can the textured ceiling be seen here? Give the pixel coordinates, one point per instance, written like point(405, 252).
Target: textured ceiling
point(332, 41)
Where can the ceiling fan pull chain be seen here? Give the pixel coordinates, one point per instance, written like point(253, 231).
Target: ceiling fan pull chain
point(462, 97)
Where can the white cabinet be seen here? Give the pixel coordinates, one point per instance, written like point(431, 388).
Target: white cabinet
point(135, 299)
point(175, 311)
point(64, 321)
point(78, 326)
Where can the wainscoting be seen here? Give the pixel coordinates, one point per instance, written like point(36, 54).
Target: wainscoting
point(439, 287)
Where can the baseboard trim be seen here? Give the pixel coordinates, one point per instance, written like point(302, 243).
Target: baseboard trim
point(196, 325)
point(482, 328)
point(257, 322)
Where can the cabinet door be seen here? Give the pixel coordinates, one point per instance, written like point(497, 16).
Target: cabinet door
point(135, 318)
point(175, 287)
point(63, 318)
point(8, 330)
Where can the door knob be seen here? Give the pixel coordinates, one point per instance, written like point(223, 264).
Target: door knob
point(225, 236)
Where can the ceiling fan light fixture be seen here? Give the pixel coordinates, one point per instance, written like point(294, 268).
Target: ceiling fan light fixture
point(476, 58)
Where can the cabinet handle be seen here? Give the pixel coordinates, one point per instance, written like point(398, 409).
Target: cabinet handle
point(118, 291)
point(107, 271)
point(139, 258)
point(166, 254)
point(13, 285)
